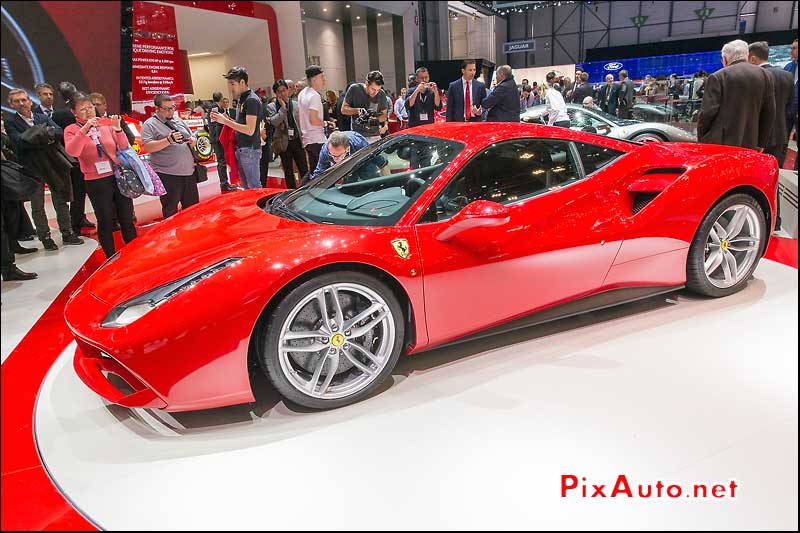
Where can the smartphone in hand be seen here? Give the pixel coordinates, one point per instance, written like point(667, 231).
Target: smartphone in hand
point(104, 121)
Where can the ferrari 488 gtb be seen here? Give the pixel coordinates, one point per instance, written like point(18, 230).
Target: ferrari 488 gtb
point(427, 237)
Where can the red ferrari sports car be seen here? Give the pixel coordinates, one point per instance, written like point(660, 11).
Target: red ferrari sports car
point(432, 235)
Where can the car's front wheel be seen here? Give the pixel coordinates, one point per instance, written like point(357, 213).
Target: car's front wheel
point(727, 247)
point(649, 137)
point(333, 340)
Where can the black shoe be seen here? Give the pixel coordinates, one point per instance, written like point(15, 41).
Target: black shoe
point(49, 244)
point(22, 250)
point(227, 187)
point(116, 227)
point(15, 274)
point(26, 238)
point(86, 223)
point(71, 239)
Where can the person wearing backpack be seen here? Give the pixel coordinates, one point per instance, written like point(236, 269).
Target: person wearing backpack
point(95, 142)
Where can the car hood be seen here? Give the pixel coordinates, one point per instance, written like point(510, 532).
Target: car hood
point(231, 225)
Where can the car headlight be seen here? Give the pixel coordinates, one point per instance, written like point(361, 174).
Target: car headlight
point(135, 308)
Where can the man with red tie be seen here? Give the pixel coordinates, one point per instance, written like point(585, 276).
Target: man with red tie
point(464, 96)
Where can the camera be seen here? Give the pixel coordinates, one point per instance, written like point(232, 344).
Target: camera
point(370, 119)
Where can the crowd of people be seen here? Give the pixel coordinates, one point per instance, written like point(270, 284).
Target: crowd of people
point(310, 128)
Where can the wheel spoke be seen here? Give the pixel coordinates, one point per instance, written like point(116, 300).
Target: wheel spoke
point(334, 364)
point(714, 237)
point(369, 355)
point(373, 322)
point(313, 347)
point(358, 364)
point(728, 270)
point(294, 335)
point(713, 262)
point(376, 306)
point(737, 222)
point(323, 306)
point(747, 248)
point(721, 233)
point(337, 307)
point(312, 385)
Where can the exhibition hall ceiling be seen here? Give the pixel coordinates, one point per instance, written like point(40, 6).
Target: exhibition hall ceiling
point(195, 29)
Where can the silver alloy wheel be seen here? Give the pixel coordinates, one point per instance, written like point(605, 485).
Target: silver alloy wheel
point(336, 341)
point(732, 246)
point(648, 138)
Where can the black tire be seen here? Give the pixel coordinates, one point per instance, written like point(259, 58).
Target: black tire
point(696, 279)
point(269, 357)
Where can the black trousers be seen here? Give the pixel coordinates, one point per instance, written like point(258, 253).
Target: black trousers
point(24, 225)
point(294, 153)
point(6, 254)
point(12, 209)
point(222, 166)
point(180, 190)
point(77, 207)
point(266, 159)
point(109, 205)
point(779, 152)
point(312, 151)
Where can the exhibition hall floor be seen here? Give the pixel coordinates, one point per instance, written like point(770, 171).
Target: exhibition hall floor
point(475, 436)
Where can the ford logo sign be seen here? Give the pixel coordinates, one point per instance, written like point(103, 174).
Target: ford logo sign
point(614, 65)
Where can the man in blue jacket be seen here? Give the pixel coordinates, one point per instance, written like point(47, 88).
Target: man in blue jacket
point(503, 102)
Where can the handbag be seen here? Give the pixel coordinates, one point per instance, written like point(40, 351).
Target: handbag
point(128, 181)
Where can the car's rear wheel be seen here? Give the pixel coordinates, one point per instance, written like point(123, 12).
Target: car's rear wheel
point(727, 247)
point(333, 340)
point(649, 137)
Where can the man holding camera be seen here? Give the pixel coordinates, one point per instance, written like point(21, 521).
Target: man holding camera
point(169, 143)
point(368, 102)
point(423, 101)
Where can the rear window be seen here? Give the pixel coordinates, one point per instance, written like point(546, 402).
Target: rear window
point(596, 157)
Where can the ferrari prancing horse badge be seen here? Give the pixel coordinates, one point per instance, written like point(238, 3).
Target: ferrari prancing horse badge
point(401, 247)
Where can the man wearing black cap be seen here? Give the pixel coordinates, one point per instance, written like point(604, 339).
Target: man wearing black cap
point(246, 126)
point(312, 124)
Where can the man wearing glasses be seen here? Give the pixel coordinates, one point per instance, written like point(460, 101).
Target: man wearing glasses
point(168, 141)
point(340, 146)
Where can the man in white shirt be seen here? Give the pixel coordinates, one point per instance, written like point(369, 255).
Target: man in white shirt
point(312, 124)
point(554, 103)
point(400, 108)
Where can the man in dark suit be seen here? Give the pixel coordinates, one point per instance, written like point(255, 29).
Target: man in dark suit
point(608, 95)
point(583, 90)
point(626, 95)
point(739, 102)
point(44, 92)
point(783, 86)
point(23, 119)
point(503, 102)
point(466, 89)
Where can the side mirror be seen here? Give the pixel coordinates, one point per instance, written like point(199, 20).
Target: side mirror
point(603, 129)
point(478, 214)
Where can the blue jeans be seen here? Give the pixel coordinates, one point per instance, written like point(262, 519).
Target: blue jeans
point(249, 160)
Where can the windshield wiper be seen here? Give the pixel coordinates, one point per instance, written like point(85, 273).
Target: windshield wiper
point(279, 207)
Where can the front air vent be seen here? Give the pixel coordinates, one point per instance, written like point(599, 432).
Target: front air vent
point(641, 199)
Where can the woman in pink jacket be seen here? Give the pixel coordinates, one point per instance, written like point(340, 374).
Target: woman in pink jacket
point(93, 140)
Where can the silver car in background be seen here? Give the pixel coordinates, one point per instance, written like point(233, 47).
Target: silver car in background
point(603, 123)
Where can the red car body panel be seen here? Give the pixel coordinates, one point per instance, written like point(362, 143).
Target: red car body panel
point(192, 351)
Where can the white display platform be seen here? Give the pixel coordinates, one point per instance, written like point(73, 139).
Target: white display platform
point(24, 302)
point(474, 436)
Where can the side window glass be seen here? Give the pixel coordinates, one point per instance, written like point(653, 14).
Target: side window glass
point(595, 157)
point(508, 172)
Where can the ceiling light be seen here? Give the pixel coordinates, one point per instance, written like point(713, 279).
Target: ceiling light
point(347, 6)
point(358, 18)
point(199, 54)
point(380, 14)
point(337, 20)
point(325, 9)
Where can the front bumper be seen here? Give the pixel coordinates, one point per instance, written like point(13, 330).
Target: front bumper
point(93, 366)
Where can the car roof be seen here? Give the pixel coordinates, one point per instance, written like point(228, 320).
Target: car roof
point(479, 134)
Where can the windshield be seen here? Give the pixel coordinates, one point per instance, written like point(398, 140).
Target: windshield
point(373, 187)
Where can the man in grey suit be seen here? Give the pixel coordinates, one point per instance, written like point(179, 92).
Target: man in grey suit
point(284, 116)
point(783, 85)
point(739, 102)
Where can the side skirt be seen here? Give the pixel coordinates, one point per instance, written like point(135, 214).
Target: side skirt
point(587, 304)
